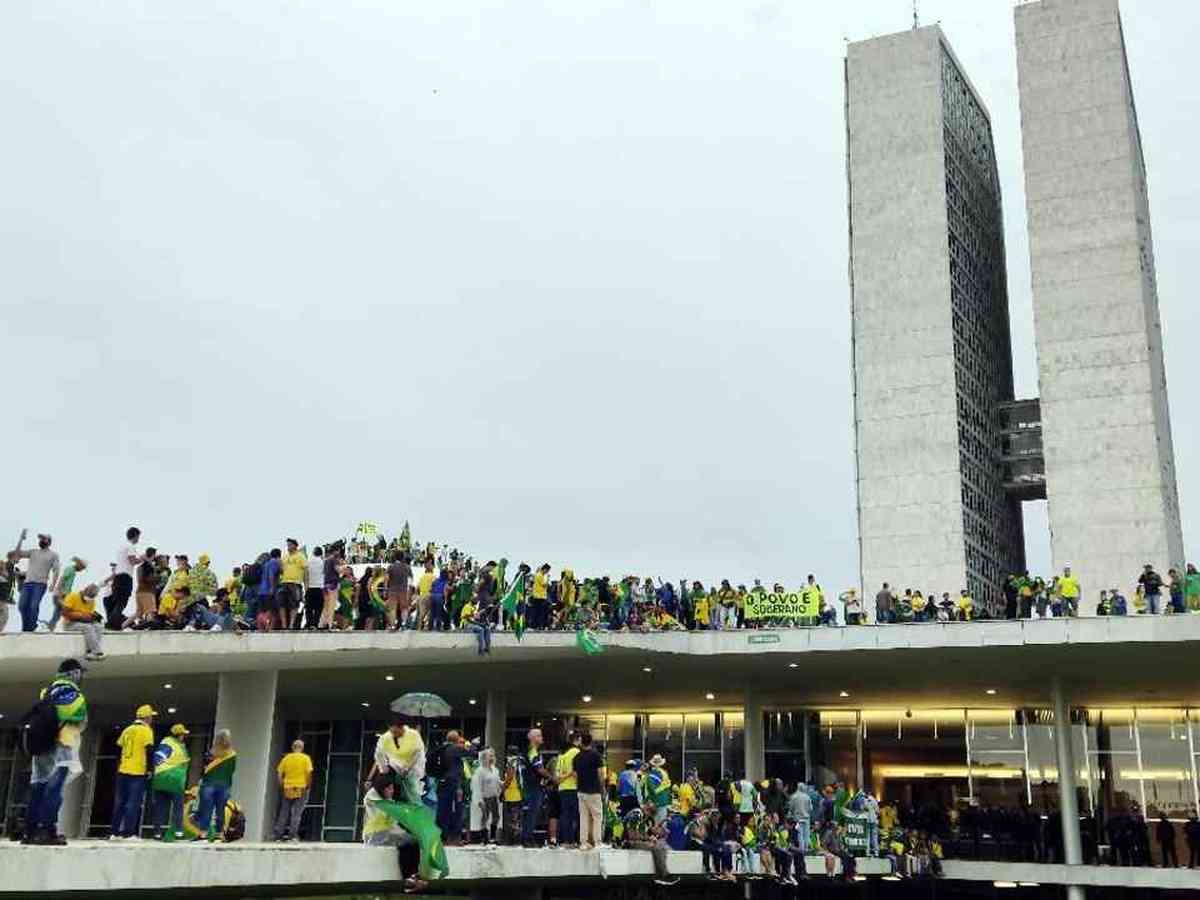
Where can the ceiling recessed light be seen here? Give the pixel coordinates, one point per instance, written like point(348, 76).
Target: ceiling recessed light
point(710, 696)
point(171, 710)
point(168, 686)
point(389, 677)
point(1, 715)
point(843, 693)
point(793, 665)
point(365, 703)
point(990, 691)
point(647, 669)
point(472, 701)
point(587, 698)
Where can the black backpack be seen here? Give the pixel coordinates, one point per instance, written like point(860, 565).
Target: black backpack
point(39, 727)
point(435, 763)
point(252, 575)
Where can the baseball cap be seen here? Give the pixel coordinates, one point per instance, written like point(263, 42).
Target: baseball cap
point(179, 731)
point(145, 711)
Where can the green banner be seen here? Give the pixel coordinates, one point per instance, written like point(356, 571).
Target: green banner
point(791, 605)
point(857, 841)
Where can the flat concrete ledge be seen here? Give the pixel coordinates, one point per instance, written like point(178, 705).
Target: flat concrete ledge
point(132, 867)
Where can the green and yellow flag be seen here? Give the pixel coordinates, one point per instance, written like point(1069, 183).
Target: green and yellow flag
point(513, 605)
point(586, 641)
point(170, 767)
point(417, 820)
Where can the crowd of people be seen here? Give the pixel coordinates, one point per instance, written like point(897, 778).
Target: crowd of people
point(367, 586)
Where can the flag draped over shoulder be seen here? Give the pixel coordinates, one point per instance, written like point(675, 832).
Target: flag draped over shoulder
point(513, 605)
point(586, 641)
point(417, 820)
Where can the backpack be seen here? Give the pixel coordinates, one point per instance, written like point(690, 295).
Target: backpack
point(39, 727)
point(252, 575)
point(435, 763)
point(236, 830)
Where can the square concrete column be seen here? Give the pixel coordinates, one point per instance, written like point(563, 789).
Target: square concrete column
point(753, 741)
point(75, 815)
point(246, 706)
point(496, 719)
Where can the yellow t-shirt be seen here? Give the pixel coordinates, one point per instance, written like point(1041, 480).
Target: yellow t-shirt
point(292, 568)
point(133, 743)
point(564, 769)
point(294, 771)
point(687, 798)
point(539, 590)
point(77, 603)
point(425, 584)
point(405, 752)
point(167, 603)
point(512, 793)
point(1068, 586)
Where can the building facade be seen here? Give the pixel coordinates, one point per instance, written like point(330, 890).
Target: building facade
point(931, 345)
point(1110, 464)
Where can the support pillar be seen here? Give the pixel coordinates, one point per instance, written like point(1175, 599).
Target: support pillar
point(752, 732)
point(495, 723)
point(246, 706)
point(1068, 797)
point(74, 817)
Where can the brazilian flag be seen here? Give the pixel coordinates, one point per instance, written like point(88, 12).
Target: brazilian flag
point(513, 605)
point(586, 641)
point(417, 820)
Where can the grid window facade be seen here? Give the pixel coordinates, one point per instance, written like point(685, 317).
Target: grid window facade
point(992, 526)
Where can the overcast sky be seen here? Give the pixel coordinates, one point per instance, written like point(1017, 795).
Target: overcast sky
point(556, 281)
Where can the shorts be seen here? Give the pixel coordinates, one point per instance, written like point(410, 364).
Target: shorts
point(553, 805)
point(289, 597)
point(268, 603)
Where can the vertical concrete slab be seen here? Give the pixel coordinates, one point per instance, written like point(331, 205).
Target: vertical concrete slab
point(496, 717)
point(754, 746)
point(246, 706)
point(1110, 462)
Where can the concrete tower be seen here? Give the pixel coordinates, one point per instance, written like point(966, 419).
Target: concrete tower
point(1109, 461)
point(929, 302)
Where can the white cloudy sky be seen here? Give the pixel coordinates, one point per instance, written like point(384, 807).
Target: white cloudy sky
point(560, 281)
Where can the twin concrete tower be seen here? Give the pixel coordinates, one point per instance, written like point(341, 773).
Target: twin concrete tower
point(945, 452)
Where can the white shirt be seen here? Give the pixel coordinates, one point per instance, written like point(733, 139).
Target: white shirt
point(315, 572)
point(124, 566)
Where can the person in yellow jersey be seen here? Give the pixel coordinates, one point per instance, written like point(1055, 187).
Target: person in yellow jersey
point(966, 606)
point(294, 772)
point(512, 796)
point(381, 830)
point(79, 615)
point(538, 613)
point(568, 589)
point(425, 597)
point(689, 795)
point(292, 572)
point(137, 746)
point(399, 751)
point(1068, 590)
point(568, 798)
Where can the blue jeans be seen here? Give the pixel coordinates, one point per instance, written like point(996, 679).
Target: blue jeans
point(483, 635)
point(529, 814)
point(802, 833)
point(213, 798)
point(568, 821)
point(1152, 604)
point(30, 603)
point(55, 613)
point(45, 798)
point(168, 812)
point(127, 808)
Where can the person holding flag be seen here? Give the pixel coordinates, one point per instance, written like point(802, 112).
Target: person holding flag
point(215, 785)
point(658, 786)
point(513, 604)
point(169, 784)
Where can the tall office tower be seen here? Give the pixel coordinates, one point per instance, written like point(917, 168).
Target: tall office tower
point(1109, 461)
point(929, 302)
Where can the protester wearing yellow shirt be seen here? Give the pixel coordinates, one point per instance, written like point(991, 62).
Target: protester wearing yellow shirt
point(538, 614)
point(1068, 589)
point(425, 597)
point(79, 615)
point(401, 751)
point(292, 569)
point(686, 797)
point(295, 772)
point(568, 797)
point(966, 606)
point(137, 744)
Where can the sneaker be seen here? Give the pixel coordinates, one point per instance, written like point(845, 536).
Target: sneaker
point(94, 657)
point(54, 840)
point(666, 882)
